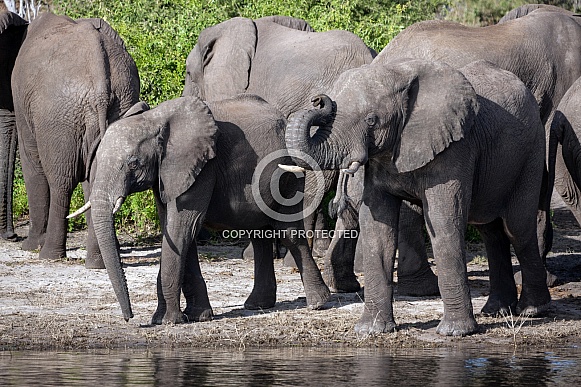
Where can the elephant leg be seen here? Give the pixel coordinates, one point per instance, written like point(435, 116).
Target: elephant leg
point(37, 189)
point(534, 296)
point(414, 274)
point(263, 294)
point(503, 295)
point(315, 289)
point(198, 306)
point(339, 272)
point(57, 226)
point(566, 186)
point(8, 142)
point(321, 241)
point(94, 260)
point(447, 234)
point(378, 220)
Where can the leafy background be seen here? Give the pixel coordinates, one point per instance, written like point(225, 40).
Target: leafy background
point(159, 34)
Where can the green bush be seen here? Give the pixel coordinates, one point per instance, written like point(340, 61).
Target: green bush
point(159, 34)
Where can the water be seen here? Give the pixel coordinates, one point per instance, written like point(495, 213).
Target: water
point(297, 367)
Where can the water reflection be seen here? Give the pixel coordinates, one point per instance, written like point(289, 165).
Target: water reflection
point(299, 366)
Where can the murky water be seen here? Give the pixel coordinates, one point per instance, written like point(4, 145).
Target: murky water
point(297, 367)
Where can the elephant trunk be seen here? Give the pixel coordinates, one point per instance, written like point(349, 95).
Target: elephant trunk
point(8, 141)
point(318, 147)
point(102, 211)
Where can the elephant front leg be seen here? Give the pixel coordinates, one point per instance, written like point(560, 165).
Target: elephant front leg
point(378, 220)
point(445, 210)
point(339, 271)
point(263, 294)
point(198, 306)
point(57, 226)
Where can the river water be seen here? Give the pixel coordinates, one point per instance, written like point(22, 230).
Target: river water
point(295, 366)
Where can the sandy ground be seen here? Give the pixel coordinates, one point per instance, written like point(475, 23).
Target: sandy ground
point(62, 305)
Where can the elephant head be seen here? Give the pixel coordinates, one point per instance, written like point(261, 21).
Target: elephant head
point(218, 67)
point(408, 111)
point(12, 32)
point(165, 148)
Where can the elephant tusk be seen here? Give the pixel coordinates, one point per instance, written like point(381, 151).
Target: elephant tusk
point(291, 168)
point(118, 204)
point(353, 168)
point(80, 211)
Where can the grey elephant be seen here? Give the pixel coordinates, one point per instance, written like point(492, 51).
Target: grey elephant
point(70, 80)
point(566, 126)
point(284, 61)
point(12, 30)
point(524, 46)
point(469, 147)
point(201, 164)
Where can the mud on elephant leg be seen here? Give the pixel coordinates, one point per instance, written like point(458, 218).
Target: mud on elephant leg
point(414, 274)
point(263, 294)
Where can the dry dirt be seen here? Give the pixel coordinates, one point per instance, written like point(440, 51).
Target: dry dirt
point(62, 305)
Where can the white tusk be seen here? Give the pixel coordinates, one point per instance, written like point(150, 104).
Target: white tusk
point(118, 204)
point(291, 168)
point(353, 168)
point(80, 211)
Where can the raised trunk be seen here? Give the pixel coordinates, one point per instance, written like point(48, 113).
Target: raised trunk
point(7, 160)
point(103, 223)
point(298, 136)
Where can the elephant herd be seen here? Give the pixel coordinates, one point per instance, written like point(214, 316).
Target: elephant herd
point(447, 126)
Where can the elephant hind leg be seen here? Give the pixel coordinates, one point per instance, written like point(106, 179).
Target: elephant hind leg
point(198, 306)
point(263, 294)
point(503, 295)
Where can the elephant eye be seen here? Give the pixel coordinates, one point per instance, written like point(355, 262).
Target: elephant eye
point(133, 163)
point(371, 119)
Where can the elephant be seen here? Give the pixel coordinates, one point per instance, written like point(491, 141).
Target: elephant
point(201, 161)
point(566, 126)
point(282, 60)
point(12, 30)
point(70, 80)
point(466, 145)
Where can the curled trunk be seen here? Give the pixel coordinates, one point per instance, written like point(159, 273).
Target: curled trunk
point(318, 147)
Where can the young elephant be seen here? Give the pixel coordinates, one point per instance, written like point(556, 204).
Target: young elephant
point(202, 165)
point(469, 147)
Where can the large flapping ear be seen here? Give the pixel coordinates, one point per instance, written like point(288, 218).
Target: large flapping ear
point(188, 136)
point(288, 21)
point(221, 59)
point(440, 108)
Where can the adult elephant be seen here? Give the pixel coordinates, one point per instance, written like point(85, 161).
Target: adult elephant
point(70, 80)
point(525, 46)
point(282, 60)
point(12, 30)
point(467, 146)
point(202, 166)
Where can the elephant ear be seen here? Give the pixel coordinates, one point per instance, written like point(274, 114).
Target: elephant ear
point(10, 19)
point(220, 62)
point(188, 136)
point(440, 107)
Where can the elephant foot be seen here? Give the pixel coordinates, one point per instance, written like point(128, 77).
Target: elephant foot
point(338, 283)
point(8, 235)
point(369, 324)
point(32, 243)
point(551, 279)
point(457, 327)
point(199, 313)
point(495, 306)
point(94, 261)
point(168, 318)
point(52, 253)
point(418, 286)
point(317, 298)
point(260, 300)
point(533, 301)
